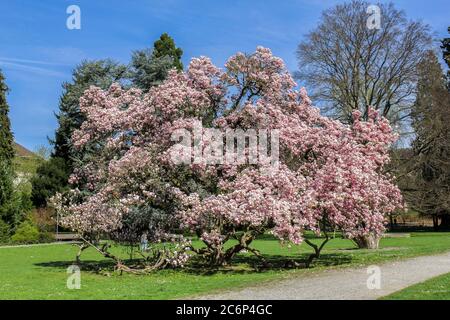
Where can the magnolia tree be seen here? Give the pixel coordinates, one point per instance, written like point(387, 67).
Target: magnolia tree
point(225, 155)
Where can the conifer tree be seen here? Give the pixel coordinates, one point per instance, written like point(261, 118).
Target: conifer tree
point(149, 67)
point(165, 46)
point(6, 154)
point(431, 122)
point(6, 136)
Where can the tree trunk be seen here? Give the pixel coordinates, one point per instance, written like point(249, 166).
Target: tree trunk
point(243, 244)
point(369, 241)
point(435, 222)
point(317, 249)
point(445, 222)
point(82, 247)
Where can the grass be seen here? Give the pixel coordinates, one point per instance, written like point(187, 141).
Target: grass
point(39, 272)
point(437, 288)
point(27, 165)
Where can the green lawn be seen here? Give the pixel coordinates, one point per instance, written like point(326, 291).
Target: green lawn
point(40, 272)
point(437, 288)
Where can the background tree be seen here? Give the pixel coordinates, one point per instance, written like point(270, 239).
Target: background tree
point(446, 54)
point(149, 67)
point(51, 176)
point(6, 191)
point(4, 232)
point(431, 122)
point(6, 156)
point(351, 67)
point(101, 73)
point(6, 136)
point(165, 46)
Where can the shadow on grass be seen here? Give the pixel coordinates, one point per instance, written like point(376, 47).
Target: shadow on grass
point(308, 235)
point(86, 265)
point(246, 264)
point(241, 264)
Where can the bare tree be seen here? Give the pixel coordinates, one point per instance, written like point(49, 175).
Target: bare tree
point(430, 194)
point(350, 65)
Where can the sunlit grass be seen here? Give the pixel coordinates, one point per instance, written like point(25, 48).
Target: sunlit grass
point(39, 272)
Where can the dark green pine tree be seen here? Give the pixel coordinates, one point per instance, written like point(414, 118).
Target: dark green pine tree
point(6, 154)
point(149, 67)
point(165, 46)
point(50, 177)
point(6, 136)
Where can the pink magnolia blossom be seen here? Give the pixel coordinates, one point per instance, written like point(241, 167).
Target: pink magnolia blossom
point(330, 174)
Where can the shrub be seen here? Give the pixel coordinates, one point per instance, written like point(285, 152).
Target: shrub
point(45, 237)
point(27, 232)
point(4, 232)
point(51, 177)
point(43, 219)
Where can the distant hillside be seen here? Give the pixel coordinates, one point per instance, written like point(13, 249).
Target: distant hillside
point(21, 151)
point(25, 163)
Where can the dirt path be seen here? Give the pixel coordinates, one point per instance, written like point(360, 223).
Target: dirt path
point(348, 283)
point(36, 245)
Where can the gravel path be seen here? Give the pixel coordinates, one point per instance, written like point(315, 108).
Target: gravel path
point(348, 283)
point(36, 244)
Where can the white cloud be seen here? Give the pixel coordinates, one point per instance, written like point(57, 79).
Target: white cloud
point(7, 63)
point(28, 61)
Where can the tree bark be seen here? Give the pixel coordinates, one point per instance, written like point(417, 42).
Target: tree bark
point(317, 249)
point(219, 256)
point(369, 241)
point(83, 246)
point(435, 223)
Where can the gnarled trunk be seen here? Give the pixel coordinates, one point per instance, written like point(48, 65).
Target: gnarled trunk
point(317, 249)
point(219, 256)
point(369, 241)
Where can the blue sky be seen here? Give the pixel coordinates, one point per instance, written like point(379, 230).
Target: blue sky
point(38, 52)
